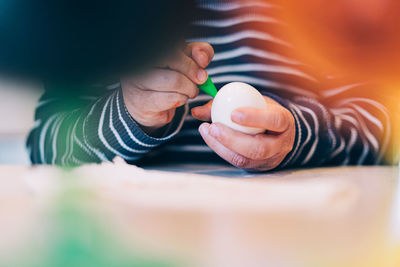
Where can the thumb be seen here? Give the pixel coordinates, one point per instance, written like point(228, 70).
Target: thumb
point(202, 113)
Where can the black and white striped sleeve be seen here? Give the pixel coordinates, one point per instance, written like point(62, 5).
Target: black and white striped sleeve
point(346, 126)
point(71, 131)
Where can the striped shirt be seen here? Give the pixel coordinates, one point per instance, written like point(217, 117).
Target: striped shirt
point(337, 122)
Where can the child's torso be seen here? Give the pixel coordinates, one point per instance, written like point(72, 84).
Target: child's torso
point(249, 43)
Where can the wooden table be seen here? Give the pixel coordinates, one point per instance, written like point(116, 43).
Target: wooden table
point(215, 215)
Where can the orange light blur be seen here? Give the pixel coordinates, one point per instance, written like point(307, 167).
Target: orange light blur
point(358, 37)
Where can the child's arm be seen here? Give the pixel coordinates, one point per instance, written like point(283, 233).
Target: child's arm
point(122, 122)
point(70, 133)
point(346, 126)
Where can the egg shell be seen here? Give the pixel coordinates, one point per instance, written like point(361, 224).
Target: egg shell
point(232, 96)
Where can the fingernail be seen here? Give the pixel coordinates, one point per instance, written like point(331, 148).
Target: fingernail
point(204, 128)
point(202, 75)
point(237, 116)
point(214, 130)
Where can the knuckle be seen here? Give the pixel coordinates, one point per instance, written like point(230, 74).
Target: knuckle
point(194, 92)
point(239, 161)
point(224, 138)
point(193, 69)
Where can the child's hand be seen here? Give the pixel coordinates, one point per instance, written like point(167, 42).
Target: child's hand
point(259, 152)
point(151, 98)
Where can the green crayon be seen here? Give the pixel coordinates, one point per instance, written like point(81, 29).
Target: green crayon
point(209, 88)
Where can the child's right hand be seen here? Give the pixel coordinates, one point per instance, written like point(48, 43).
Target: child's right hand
point(151, 98)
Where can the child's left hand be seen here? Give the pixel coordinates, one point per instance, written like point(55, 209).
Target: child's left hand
point(259, 152)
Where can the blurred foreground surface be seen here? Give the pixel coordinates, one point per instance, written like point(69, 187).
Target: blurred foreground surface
point(121, 215)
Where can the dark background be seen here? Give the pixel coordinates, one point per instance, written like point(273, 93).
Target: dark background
point(84, 40)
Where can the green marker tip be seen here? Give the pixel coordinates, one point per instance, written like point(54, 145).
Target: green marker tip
point(209, 88)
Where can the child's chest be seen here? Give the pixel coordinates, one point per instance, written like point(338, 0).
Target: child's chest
point(241, 32)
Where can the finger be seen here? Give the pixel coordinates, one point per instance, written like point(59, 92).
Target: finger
point(235, 158)
point(225, 153)
point(274, 118)
point(256, 147)
point(202, 113)
point(152, 101)
point(202, 53)
point(163, 80)
point(185, 65)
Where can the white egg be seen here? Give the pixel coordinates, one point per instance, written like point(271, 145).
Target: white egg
point(232, 96)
